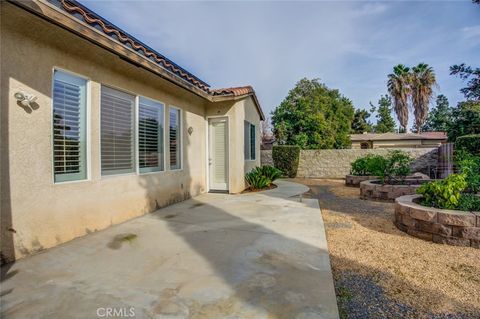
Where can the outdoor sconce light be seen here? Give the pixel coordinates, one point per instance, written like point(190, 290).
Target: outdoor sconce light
point(190, 130)
point(26, 99)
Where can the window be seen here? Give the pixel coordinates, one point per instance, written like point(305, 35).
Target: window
point(150, 135)
point(69, 127)
point(175, 138)
point(117, 132)
point(249, 141)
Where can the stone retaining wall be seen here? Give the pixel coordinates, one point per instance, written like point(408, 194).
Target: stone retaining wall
point(336, 163)
point(376, 191)
point(441, 226)
point(354, 180)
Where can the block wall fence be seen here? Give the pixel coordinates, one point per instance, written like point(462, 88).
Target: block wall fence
point(336, 163)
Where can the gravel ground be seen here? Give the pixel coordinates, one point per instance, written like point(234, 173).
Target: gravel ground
point(381, 272)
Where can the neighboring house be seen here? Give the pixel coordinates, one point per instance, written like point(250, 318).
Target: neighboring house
point(398, 140)
point(98, 128)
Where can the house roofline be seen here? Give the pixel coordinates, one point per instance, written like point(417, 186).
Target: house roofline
point(62, 18)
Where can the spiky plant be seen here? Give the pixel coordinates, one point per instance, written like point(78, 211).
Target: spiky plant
point(422, 83)
point(399, 89)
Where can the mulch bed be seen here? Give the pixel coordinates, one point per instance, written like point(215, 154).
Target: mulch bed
point(254, 190)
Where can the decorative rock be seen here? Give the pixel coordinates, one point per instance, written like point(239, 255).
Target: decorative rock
point(456, 218)
point(354, 180)
point(451, 241)
point(420, 234)
point(423, 214)
point(434, 228)
point(373, 189)
point(475, 243)
point(466, 232)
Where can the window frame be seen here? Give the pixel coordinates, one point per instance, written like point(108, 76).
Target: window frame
point(180, 122)
point(248, 141)
point(87, 120)
point(163, 117)
point(135, 96)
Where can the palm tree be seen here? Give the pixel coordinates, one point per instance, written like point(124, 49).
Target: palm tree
point(399, 89)
point(422, 82)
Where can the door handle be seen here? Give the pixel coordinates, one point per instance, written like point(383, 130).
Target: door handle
point(209, 161)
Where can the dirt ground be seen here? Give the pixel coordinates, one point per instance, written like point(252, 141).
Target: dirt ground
point(381, 272)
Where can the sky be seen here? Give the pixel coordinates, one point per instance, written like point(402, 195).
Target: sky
point(349, 45)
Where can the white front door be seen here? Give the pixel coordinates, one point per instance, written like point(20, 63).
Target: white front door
point(218, 154)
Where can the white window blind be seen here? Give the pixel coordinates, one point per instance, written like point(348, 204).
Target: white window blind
point(174, 138)
point(117, 132)
point(249, 136)
point(69, 127)
point(150, 135)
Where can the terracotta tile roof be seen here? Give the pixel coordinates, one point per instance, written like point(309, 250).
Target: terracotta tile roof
point(235, 91)
point(398, 136)
point(81, 12)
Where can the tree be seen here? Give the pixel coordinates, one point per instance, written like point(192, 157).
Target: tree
point(439, 117)
point(422, 81)
point(313, 116)
point(385, 121)
point(265, 130)
point(465, 120)
point(360, 122)
point(472, 91)
point(399, 89)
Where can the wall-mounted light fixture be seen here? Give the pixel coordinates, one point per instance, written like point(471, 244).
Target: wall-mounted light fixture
point(26, 99)
point(190, 130)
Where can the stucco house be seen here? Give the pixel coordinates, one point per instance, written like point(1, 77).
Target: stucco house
point(398, 140)
point(98, 128)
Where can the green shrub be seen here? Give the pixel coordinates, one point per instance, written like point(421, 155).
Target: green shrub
point(269, 172)
point(469, 143)
point(285, 158)
point(469, 165)
point(256, 180)
point(397, 166)
point(368, 165)
point(444, 193)
point(262, 177)
point(469, 202)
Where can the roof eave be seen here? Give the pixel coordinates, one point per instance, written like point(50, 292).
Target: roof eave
point(49, 12)
point(233, 97)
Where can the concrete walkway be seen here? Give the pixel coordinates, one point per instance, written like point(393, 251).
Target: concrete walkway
point(256, 255)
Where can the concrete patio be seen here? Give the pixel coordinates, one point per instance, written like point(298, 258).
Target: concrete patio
point(256, 255)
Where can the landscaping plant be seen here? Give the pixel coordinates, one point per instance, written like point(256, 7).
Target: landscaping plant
point(469, 202)
point(262, 177)
point(369, 165)
point(469, 165)
point(286, 158)
point(397, 167)
point(445, 194)
point(469, 143)
point(269, 172)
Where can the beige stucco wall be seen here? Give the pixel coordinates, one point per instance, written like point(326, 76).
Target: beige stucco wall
point(38, 214)
point(238, 112)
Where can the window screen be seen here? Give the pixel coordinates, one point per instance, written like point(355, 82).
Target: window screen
point(150, 135)
point(69, 127)
point(117, 132)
